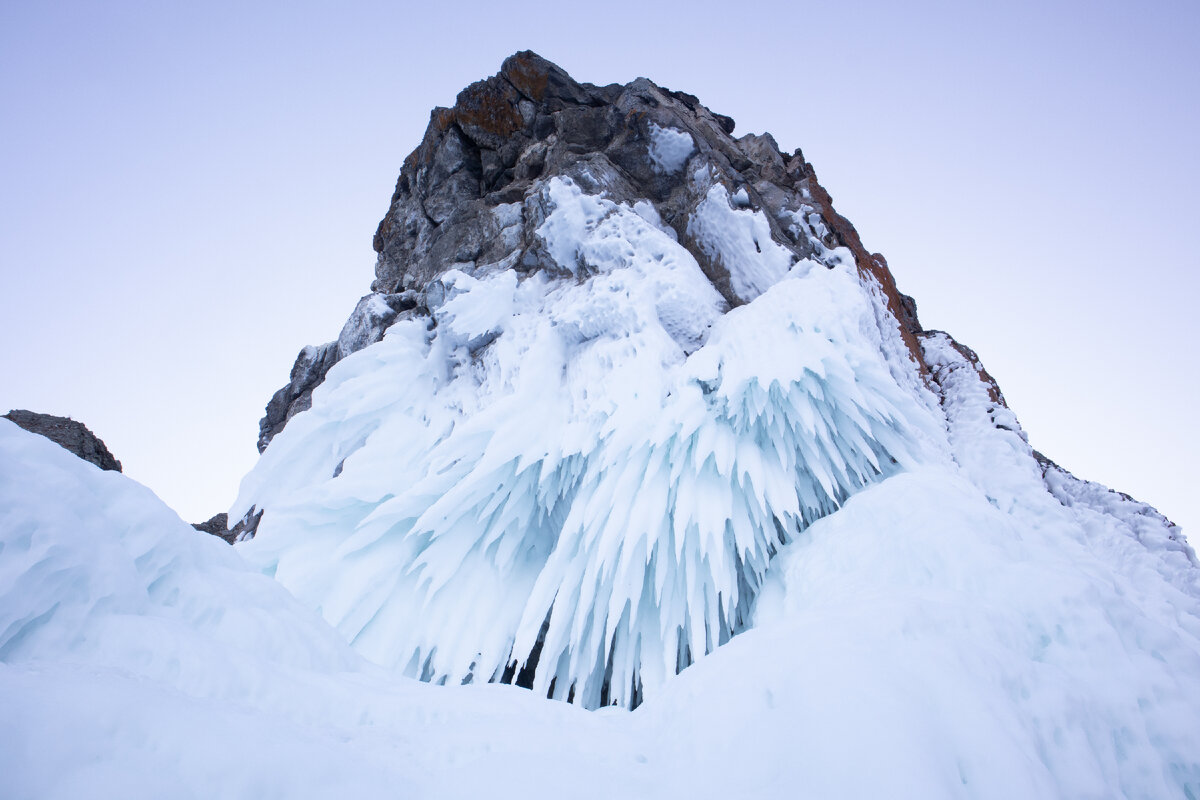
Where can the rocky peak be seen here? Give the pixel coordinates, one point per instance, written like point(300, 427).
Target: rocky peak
point(473, 194)
point(68, 434)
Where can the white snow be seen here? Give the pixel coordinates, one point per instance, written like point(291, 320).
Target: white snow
point(739, 240)
point(646, 210)
point(917, 643)
point(670, 148)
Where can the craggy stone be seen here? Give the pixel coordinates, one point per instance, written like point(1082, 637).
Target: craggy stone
point(246, 527)
point(217, 525)
point(68, 434)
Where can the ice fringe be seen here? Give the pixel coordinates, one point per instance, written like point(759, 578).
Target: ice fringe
point(578, 483)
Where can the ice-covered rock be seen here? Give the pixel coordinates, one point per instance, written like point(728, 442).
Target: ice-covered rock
point(471, 197)
point(643, 357)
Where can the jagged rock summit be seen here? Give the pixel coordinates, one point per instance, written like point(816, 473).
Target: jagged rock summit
point(615, 365)
point(469, 198)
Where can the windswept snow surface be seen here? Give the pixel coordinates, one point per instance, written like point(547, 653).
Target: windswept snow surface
point(918, 643)
point(587, 475)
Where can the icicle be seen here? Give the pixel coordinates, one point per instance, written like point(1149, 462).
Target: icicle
point(591, 501)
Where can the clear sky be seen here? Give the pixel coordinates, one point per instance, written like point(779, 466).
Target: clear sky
point(188, 194)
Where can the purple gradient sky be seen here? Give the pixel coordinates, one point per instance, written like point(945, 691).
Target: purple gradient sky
point(188, 194)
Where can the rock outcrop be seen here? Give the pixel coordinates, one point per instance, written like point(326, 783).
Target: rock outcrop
point(469, 198)
point(371, 317)
point(68, 434)
point(216, 525)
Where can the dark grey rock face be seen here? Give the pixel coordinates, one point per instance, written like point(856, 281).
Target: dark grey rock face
point(217, 525)
point(69, 434)
point(473, 194)
point(508, 134)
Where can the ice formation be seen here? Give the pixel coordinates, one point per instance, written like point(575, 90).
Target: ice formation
point(740, 240)
point(918, 642)
point(583, 479)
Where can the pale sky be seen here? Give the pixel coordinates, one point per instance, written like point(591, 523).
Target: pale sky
point(188, 194)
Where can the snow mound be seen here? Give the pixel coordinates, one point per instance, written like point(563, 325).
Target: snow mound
point(922, 643)
point(94, 566)
point(917, 643)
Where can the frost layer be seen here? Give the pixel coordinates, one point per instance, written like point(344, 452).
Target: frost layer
point(579, 483)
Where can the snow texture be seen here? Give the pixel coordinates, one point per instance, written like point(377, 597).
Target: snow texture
point(739, 240)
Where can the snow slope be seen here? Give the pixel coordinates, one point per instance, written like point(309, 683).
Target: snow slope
point(919, 642)
point(708, 483)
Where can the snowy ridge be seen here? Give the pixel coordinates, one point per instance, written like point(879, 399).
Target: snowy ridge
point(583, 479)
point(990, 446)
point(972, 652)
point(670, 148)
point(1150, 528)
